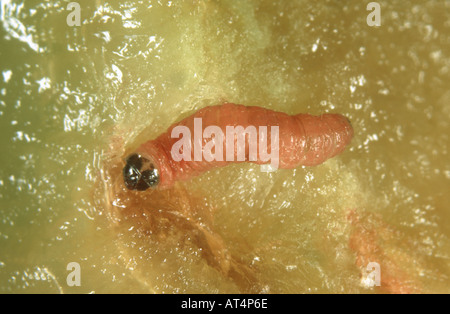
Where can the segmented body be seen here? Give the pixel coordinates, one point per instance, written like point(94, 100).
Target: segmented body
point(303, 140)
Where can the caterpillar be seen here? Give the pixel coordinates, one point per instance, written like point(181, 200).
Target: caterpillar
point(368, 241)
point(300, 139)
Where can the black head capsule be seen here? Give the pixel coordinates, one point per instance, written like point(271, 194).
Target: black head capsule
point(139, 173)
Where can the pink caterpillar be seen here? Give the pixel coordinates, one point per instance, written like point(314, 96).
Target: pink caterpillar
point(303, 140)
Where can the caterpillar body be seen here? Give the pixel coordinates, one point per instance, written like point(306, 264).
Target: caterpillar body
point(302, 139)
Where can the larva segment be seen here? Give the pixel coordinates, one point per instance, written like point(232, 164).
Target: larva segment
point(303, 140)
point(325, 136)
